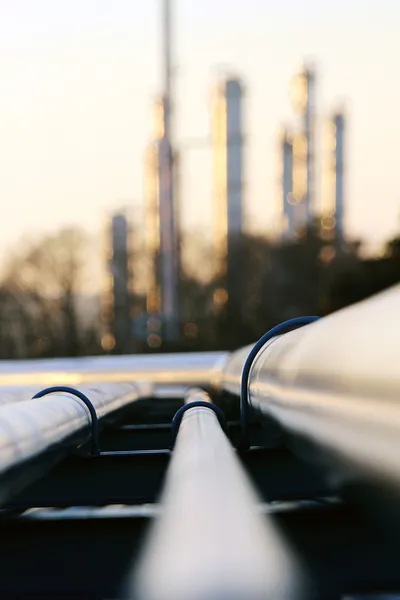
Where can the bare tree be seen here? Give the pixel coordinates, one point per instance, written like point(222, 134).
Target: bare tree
point(44, 280)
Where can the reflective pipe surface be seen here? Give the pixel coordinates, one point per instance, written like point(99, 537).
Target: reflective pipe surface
point(210, 541)
point(36, 433)
point(197, 368)
point(335, 386)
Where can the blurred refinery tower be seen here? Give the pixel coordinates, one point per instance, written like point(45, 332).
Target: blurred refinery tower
point(162, 230)
point(152, 211)
point(227, 150)
point(333, 213)
point(117, 292)
point(285, 185)
point(153, 219)
point(303, 100)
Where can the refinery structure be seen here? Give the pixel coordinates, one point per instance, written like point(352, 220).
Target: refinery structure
point(304, 104)
point(300, 202)
point(287, 206)
point(334, 205)
point(116, 300)
point(227, 154)
point(297, 190)
point(161, 206)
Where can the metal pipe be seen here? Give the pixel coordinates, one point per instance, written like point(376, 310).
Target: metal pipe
point(35, 434)
point(335, 386)
point(196, 368)
point(211, 542)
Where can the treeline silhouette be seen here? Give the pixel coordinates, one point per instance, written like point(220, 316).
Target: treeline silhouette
point(276, 281)
point(44, 313)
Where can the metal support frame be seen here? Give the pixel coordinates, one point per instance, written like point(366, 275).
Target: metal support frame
point(244, 384)
point(87, 553)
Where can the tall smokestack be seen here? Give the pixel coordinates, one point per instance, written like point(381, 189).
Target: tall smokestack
point(169, 252)
point(334, 202)
point(167, 60)
point(304, 103)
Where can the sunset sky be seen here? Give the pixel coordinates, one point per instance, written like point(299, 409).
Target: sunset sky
point(78, 78)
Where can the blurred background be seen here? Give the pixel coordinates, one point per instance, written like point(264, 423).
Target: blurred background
point(182, 175)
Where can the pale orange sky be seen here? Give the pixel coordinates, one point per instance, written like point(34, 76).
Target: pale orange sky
point(77, 80)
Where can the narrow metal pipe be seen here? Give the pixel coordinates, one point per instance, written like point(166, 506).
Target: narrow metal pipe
point(211, 542)
point(196, 394)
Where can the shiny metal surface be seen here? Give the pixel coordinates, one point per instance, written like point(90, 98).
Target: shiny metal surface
point(35, 433)
point(113, 511)
point(11, 394)
point(336, 385)
point(211, 540)
point(198, 368)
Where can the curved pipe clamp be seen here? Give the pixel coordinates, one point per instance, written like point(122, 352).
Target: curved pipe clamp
point(176, 421)
point(95, 451)
point(283, 327)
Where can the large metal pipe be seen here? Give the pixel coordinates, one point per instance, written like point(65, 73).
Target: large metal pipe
point(196, 368)
point(211, 542)
point(334, 388)
point(36, 433)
